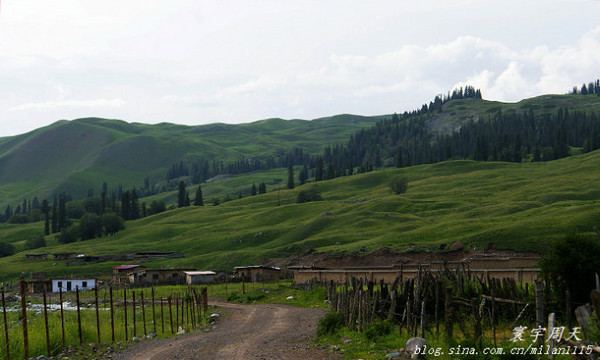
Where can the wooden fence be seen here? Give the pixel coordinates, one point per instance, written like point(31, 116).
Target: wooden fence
point(459, 300)
point(155, 315)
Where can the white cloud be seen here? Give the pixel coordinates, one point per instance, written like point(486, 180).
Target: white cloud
point(51, 105)
point(199, 62)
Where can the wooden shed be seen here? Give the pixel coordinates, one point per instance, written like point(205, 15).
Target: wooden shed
point(258, 273)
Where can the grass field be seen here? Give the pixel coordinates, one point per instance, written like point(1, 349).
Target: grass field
point(514, 206)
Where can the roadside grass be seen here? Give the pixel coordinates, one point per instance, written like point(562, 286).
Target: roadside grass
point(353, 344)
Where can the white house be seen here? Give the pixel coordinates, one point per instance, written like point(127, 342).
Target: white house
point(71, 284)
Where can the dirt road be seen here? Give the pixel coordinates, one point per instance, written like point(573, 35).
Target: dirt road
point(243, 332)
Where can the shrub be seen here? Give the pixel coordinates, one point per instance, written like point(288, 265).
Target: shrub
point(377, 329)
point(399, 185)
point(35, 243)
point(571, 263)
point(6, 249)
point(329, 323)
point(312, 194)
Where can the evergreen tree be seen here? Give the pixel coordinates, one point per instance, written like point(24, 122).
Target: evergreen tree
point(319, 172)
point(399, 159)
point(62, 213)
point(181, 194)
point(262, 188)
point(55, 216)
point(290, 182)
point(46, 211)
point(135, 206)
point(198, 200)
point(303, 175)
point(126, 205)
point(253, 190)
point(187, 198)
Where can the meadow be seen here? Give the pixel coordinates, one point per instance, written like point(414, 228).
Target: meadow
point(518, 206)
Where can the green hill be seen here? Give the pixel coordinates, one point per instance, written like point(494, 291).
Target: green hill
point(78, 155)
point(519, 206)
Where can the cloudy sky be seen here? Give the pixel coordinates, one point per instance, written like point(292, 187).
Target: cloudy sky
point(203, 61)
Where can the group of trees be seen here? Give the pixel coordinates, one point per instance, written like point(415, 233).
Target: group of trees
point(592, 88)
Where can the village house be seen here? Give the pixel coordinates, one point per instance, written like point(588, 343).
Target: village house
point(158, 277)
point(36, 256)
point(199, 277)
point(68, 285)
point(65, 256)
point(258, 273)
point(127, 269)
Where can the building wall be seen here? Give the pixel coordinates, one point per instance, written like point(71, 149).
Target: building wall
point(71, 284)
point(200, 279)
point(388, 276)
point(258, 274)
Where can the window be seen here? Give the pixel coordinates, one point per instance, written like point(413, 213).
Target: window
point(68, 286)
point(84, 284)
point(175, 275)
point(59, 284)
point(155, 277)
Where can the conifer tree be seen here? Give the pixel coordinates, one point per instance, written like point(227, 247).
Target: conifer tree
point(55, 216)
point(46, 211)
point(290, 182)
point(198, 200)
point(62, 213)
point(135, 206)
point(181, 194)
point(253, 190)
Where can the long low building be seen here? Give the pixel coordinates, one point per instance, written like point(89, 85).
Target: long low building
point(520, 269)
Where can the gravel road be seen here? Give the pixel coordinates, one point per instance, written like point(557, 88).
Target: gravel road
point(266, 331)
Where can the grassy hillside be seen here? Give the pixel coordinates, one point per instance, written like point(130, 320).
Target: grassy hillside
point(75, 156)
point(457, 112)
point(512, 205)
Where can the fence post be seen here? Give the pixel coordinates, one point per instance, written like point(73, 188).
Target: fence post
point(46, 323)
point(133, 310)
point(205, 299)
point(97, 313)
point(112, 316)
point(24, 320)
point(550, 330)
point(143, 313)
point(62, 317)
point(78, 315)
point(568, 305)
point(5, 326)
point(448, 325)
point(153, 313)
point(493, 315)
point(162, 316)
point(177, 313)
point(125, 312)
point(171, 315)
point(539, 308)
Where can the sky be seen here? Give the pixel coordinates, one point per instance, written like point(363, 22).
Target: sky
point(236, 61)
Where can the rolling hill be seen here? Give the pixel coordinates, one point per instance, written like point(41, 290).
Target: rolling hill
point(74, 156)
point(519, 206)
